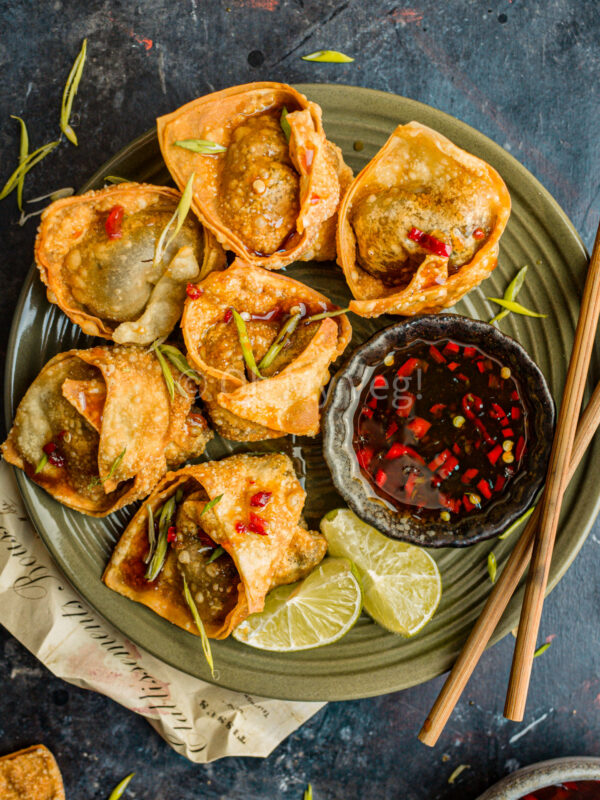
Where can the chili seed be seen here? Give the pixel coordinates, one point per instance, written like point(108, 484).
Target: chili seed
point(445, 516)
point(505, 373)
point(474, 498)
point(507, 445)
point(508, 457)
point(388, 360)
point(458, 421)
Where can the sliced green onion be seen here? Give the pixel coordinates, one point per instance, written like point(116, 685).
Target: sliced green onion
point(203, 637)
point(119, 789)
point(179, 495)
point(541, 650)
point(115, 465)
point(167, 374)
point(151, 535)
point(330, 56)
point(115, 179)
point(326, 315)
point(178, 360)
point(217, 553)
point(512, 290)
point(245, 343)
point(516, 308)
point(457, 771)
point(56, 194)
point(492, 566)
point(160, 553)
point(23, 153)
point(285, 125)
point(308, 793)
point(211, 504)
point(203, 146)
point(24, 167)
point(282, 337)
point(69, 93)
point(41, 464)
point(177, 220)
point(516, 524)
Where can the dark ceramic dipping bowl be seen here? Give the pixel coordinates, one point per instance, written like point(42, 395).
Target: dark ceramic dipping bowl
point(344, 398)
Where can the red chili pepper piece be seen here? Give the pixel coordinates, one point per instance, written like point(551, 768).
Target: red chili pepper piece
point(366, 412)
point(469, 474)
point(172, 534)
point(469, 352)
point(495, 454)
point(515, 413)
point(193, 291)
point(380, 477)
point(419, 427)
point(406, 402)
point(467, 503)
point(365, 456)
point(379, 382)
point(497, 412)
point(456, 449)
point(493, 382)
point(49, 448)
point(504, 422)
point(462, 377)
point(508, 432)
point(437, 408)
point(260, 499)
point(372, 402)
point(114, 222)
point(514, 395)
point(478, 233)
point(451, 503)
point(408, 367)
point(56, 459)
point(241, 528)
point(411, 482)
point(470, 404)
point(430, 243)
point(520, 448)
point(448, 467)
point(480, 366)
point(314, 199)
point(438, 460)
point(228, 315)
point(484, 488)
point(436, 355)
point(451, 347)
point(499, 485)
point(453, 365)
point(398, 449)
point(257, 524)
point(391, 429)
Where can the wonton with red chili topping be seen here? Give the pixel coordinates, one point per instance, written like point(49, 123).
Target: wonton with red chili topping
point(292, 339)
point(97, 429)
point(268, 190)
point(96, 254)
point(231, 531)
point(419, 226)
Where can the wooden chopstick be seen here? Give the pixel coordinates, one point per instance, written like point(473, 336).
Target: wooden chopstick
point(501, 594)
point(556, 483)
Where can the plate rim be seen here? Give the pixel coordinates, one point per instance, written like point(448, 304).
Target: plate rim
point(334, 689)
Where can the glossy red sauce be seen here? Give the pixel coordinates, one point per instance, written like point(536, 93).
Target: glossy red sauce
point(569, 790)
point(441, 430)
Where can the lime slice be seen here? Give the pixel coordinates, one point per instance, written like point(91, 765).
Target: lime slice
point(402, 585)
point(314, 612)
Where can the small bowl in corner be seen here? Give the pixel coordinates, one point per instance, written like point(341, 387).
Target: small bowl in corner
point(397, 520)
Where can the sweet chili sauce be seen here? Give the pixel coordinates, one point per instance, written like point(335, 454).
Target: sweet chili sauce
point(440, 429)
point(569, 790)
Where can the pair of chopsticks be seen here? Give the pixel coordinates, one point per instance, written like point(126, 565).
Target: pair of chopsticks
point(536, 543)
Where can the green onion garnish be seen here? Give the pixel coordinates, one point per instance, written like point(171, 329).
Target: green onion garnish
point(115, 465)
point(216, 554)
point(23, 153)
point(211, 504)
point(512, 290)
point(115, 179)
point(119, 789)
point(167, 374)
point(516, 308)
point(516, 524)
point(203, 146)
point(151, 535)
point(329, 56)
point(457, 771)
point(69, 93)
point(177, 220)
point(26, 165)
point(160, 553)
point(492, 566)
point(204, 638)
point(285, 125)
point(178, 360)
point(245, 343)
point(541, 650)
point(41, 463)
point(326, 315)
point(308, 794)
point(281, 339)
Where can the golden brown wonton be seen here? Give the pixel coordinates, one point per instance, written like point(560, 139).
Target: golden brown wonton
point(256, 522)
point(420, 195)
point(286, 400)
point(265, 198)
point(30, 774)
point(110, 286)
point(105, 423)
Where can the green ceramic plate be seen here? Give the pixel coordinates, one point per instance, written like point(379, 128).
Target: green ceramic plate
point(368, 661)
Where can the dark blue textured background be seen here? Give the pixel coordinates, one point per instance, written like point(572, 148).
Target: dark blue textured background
point(527, 74)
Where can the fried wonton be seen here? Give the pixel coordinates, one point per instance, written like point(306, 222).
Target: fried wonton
point(95, 253)
point(30, 774)
point(286, 397)
point(265, 197)
point(97, 428)
point(255, 522)
point(419, 226)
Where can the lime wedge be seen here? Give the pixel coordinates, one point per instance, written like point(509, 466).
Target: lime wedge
point(402, 585)
point(314, 612)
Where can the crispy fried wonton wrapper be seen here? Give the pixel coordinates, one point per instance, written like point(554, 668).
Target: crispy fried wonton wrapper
point(110, 286)
point(106, 415)
point(265, 198)
point(257, 493)
point(31, 774)
point(287, 400)
point(419, 179)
